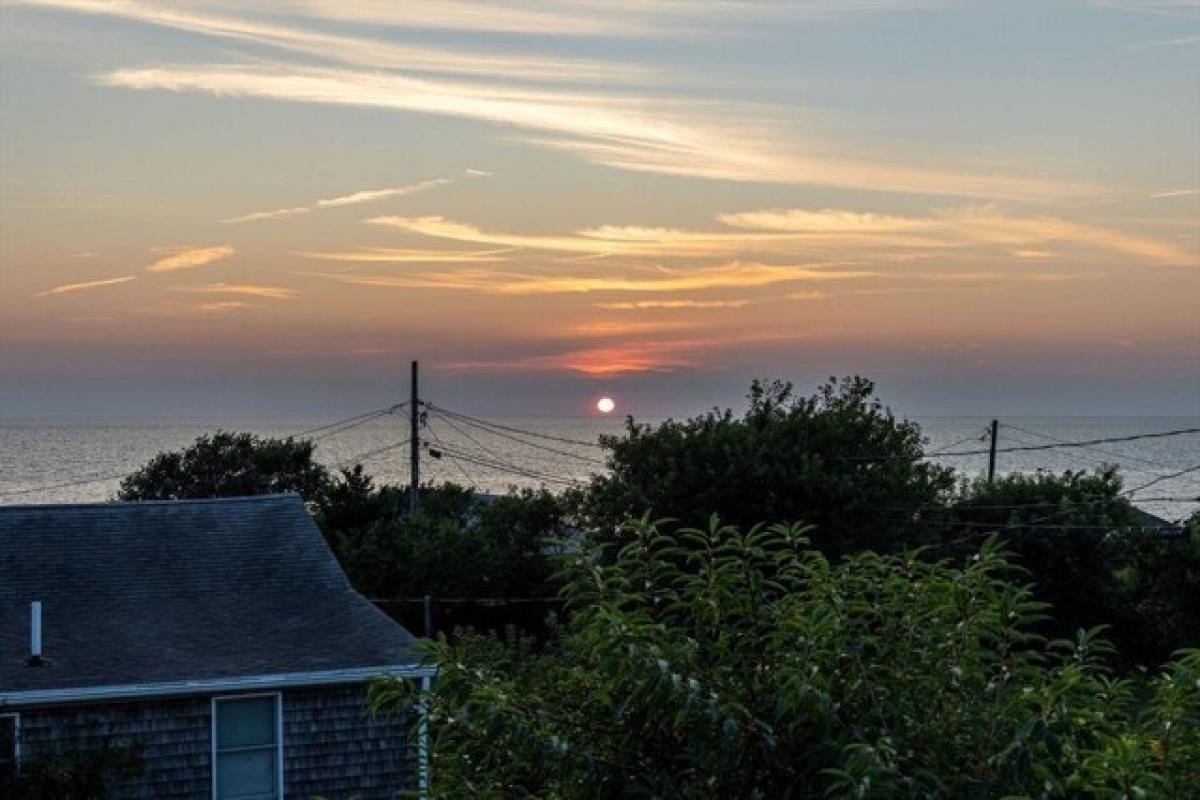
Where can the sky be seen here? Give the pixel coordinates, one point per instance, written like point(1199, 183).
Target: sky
point(210, 207)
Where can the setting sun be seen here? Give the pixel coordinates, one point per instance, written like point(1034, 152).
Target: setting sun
point(605, 405)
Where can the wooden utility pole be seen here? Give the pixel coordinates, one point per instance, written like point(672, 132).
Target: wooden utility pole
point(414, 473)
point(995, 431)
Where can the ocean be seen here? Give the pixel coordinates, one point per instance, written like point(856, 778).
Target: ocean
point(55, 461)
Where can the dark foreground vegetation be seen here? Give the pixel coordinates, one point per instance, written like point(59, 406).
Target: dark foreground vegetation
point(923, 634)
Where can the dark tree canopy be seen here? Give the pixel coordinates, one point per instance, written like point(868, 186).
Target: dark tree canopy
point(1088, 553)
point(837, 459)
point(229, 464)
point(458, 544)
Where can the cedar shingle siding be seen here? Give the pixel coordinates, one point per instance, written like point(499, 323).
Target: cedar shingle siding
point(331, 746)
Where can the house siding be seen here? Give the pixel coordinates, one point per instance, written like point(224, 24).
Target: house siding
point(331, 746)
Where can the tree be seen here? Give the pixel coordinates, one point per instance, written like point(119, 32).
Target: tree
point(706, 663)
point(228, 464)
point(458, 544)
point(1089, 555)
point(837, 459)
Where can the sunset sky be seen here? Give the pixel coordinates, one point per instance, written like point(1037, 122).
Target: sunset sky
point(222, 207)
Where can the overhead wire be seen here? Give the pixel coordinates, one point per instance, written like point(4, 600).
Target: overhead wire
point(1081, 443)
point(511, 429)
point(512, 438)
point(1113, 453)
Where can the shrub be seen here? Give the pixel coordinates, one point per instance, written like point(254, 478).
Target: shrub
point(704, 663)
point(838, 459)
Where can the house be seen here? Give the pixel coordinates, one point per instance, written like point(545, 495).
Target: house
point(214, 645)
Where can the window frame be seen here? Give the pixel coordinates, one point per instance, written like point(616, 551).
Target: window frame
point(213, 750)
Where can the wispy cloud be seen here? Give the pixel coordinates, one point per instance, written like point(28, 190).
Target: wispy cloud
point(248, 290)
point(80, 287)
point(1175, 193)
point(966, 227)
point(801, 232)
point(477, 173)
point(1180, 41)
point(174, 308)
point(352, 199)
point(176, 258)
point(494, 281)
point(371, 195)
point(388, 255)
point(278, 213)
point(646, 355)
point(633, 133)
point(644, 305)
point(630, 240)
point(230, 21)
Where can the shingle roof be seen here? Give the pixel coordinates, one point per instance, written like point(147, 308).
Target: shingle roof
point(180, 590)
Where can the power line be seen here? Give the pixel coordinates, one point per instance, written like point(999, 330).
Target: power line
point(366, 416)
point(1084, 443)
point(1162, 478)
point(964, 440)
point(510, 429)
point(502, 466)
point(503, 435)
point(436, 454)
point(1113, 453)
point(65, 485)
point(369, 454)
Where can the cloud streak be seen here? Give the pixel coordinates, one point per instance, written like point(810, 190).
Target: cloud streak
point(645, 305)
point(352, 199)
point(631, 133)
point(985, 226)
point(501, 282)
point(177, 258)
point(356, 51)
point(86, 285)
point(247, 290)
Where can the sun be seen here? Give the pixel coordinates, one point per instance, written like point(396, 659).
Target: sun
point(605, 405)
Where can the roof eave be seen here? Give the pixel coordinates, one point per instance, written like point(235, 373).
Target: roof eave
point(133, 691)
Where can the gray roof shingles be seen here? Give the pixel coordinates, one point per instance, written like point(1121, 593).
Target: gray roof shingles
point(178, 591)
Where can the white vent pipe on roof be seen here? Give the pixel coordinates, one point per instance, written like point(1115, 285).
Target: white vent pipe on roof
point(35, 633)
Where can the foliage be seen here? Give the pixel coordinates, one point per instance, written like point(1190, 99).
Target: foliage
point(79, 774)
point(1089, 555)
point(229, 464)
point(837, 459)
point(704, 663)
point(458, 544)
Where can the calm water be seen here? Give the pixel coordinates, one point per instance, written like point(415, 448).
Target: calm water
point(46, 461)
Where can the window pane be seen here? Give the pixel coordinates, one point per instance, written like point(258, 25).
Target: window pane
point(244, 723)
point(250, 774)
point(8, 744)
point(8, 738)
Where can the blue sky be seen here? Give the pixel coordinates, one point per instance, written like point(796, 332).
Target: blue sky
point(218, 207)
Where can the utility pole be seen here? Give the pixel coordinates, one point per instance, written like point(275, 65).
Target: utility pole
point(995, 432)
point(414, 474)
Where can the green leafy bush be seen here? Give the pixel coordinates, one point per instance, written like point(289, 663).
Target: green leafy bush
point(1088, 554)
point(838, 459)
point(705, 663)
point(229, 465)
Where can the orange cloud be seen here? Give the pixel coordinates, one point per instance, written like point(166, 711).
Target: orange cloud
point(641, 305)
point(249, 290)
point(485, 281)
point(79, 287)
point(176, 258)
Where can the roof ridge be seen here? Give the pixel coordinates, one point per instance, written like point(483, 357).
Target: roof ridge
point(249, 498)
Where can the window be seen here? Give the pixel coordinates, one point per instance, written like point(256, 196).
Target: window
point(247, 748)
point(10, 750)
